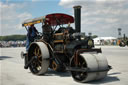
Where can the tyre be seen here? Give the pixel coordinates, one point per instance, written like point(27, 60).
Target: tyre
point(40, 53)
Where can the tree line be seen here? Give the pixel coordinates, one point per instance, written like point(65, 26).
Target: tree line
point(13, 38)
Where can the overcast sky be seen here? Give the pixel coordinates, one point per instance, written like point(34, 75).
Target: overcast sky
point(101, 17)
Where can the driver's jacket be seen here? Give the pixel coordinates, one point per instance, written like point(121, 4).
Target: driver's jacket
point(32, 33)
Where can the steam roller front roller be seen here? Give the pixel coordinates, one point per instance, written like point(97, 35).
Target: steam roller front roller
point(95, 66)
point(39, 53)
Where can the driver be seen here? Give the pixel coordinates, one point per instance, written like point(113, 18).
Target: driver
point(47, 30)
point(32, 33)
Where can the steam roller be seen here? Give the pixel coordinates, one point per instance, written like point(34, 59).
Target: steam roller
point(64, 49)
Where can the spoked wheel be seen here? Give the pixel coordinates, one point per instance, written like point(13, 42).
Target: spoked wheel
point(96, 63)
point(39, 65)
point(79, 76)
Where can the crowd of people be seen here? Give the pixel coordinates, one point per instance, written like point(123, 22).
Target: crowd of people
point(13, 43)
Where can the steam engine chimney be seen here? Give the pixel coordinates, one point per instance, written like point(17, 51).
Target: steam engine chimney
point(77, 15)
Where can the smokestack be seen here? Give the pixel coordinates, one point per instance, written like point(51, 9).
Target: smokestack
point(77, 15)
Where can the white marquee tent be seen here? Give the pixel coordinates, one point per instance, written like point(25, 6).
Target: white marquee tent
point(99, 40)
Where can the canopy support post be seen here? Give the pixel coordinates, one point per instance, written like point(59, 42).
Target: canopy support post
point(26, 28)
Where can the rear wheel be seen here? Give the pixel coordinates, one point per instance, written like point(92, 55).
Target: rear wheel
point(39, 65)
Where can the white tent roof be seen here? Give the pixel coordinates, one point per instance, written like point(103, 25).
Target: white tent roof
point(105, 38)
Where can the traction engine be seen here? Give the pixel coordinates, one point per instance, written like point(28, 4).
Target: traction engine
point(65, 49)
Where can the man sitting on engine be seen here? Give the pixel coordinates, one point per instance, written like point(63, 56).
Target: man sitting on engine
point(47, 30)
point(32, 33)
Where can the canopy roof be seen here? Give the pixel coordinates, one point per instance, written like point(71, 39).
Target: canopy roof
point(51, 19)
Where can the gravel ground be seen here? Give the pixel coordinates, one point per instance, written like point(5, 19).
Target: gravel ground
point(13, 73)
